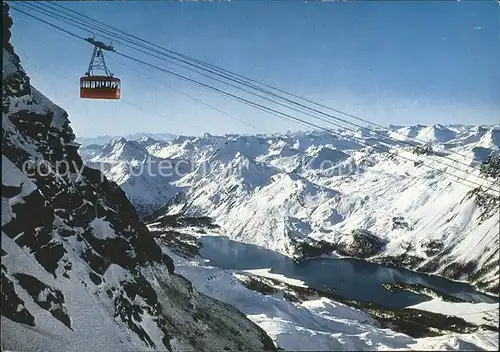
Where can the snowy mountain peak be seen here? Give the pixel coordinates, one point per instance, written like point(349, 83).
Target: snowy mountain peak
point(120, 149)
point(147, 141)
point(436, 134)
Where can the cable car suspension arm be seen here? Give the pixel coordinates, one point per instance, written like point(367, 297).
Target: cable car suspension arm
point(97, 61)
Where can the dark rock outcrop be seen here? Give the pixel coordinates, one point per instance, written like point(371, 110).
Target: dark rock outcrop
point(361, 244)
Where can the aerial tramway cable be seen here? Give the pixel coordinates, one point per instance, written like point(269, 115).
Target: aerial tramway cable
point(384, 137)
point(236, 75)
point(256, 105)
point(261, 107)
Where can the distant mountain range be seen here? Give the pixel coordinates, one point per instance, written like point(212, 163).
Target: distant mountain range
point(105, 139)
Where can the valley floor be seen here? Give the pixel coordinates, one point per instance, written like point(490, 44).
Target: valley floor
point(320, 323)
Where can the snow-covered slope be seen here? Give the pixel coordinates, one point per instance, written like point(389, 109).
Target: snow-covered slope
point(79, 269)
point(436, 134)
point(279, 190)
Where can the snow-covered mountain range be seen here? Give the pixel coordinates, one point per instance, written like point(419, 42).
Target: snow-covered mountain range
point(279, 191)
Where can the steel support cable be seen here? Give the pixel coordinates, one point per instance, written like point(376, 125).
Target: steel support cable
point(256, 105)
point(151, 65)
point(197, 100)
point(70, 21)
point(256, 88)
point(85, 28)
point(385, 137)
point(259, 106)
point(249, 79)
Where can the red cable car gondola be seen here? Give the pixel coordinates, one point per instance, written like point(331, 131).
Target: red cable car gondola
point(99, 86)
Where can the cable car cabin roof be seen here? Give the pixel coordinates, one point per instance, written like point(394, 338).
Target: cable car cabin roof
point(99, 78)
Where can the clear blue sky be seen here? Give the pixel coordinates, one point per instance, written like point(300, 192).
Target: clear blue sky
point(390, 62)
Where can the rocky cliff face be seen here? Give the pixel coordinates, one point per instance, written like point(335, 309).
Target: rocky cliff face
point(79, 268)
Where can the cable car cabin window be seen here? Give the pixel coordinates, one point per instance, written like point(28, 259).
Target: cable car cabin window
point(100, 88)
point(89, 84)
